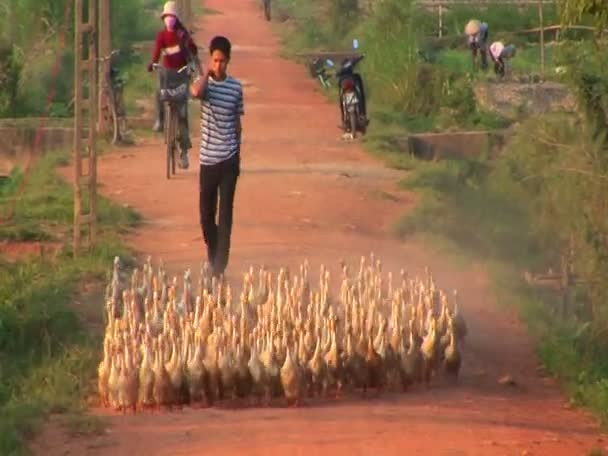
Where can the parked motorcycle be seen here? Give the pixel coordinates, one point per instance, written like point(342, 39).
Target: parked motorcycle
point(351, 95)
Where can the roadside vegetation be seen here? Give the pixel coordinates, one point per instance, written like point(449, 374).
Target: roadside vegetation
point(540, 204)
point(37, 53)
point(48, 353)
point(50, 301)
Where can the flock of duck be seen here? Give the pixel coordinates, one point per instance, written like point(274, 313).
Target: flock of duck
point(281, 338)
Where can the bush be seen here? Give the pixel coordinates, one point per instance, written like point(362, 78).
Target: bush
point(26, 67)
point(343, 15)
point(47, 357)
point(10, 73)
point(395, 76)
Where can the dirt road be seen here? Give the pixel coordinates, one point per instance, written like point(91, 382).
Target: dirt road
point(303, 193)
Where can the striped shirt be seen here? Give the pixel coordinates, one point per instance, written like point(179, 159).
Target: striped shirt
point(221, 106)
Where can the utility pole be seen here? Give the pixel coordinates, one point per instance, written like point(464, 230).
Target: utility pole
point(12, 24)
point(542, 38)
point(105, 47)
point(187, 12)
point(85, 110)
point(180, 9)
point(184, 10)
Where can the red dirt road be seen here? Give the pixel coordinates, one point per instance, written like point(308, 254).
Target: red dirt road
point(304, 193)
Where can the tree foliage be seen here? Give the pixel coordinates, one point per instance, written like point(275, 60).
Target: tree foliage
point(562, 164)
point(32, 30)
point(574, 11)
point(343, 14)
point(10, 71)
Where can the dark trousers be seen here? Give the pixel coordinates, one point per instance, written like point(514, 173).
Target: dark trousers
point(480, 48)
point(218, 182)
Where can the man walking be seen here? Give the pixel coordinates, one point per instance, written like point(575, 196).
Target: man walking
point(221, 98)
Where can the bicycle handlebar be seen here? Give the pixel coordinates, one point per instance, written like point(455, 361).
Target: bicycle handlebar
point(157, 66)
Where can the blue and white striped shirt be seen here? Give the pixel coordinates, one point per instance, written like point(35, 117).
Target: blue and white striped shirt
point(221, 106)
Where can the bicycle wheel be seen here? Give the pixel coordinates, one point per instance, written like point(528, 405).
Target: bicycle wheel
point(115, 125)
point(108, 114)
point(174, 135)
point(121, 116)
point(168, 138)
point(165, 122)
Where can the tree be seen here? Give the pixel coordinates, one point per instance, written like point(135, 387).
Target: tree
point(10, 73)
point(574, 10)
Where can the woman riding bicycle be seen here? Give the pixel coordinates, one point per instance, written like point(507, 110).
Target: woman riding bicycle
point(178, 48)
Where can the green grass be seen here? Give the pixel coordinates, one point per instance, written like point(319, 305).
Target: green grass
point(470, 210)
point(209, 11)
point(139, 84)
point(45, 208)
point(526, 62)
point(473, 212)
point(47, 357)
point(132, 21)
point(404, 95)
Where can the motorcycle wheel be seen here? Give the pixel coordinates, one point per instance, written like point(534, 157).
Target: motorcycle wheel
point(363, 124)
point(352, 120)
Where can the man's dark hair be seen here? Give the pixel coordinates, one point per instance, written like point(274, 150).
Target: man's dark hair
point(220, 43)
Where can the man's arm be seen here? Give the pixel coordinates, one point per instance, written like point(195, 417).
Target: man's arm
point(158, 45)
point(239, 129)
point(199, 86)
point(241, 112)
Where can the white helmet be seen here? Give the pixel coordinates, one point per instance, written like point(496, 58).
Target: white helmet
point(169, 9)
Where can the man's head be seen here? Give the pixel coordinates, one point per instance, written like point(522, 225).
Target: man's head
point(219, 56)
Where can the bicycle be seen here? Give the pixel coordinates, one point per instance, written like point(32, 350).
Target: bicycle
point(113, 109)
point(172, 94)
point(318, 71)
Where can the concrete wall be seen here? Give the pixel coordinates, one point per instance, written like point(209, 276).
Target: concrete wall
point(463, 145)
point(18, 143)
point(18, 137)
point(514, 99)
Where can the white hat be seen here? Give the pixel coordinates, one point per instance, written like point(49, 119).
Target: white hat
point(472, 27)
point(170, 9)
point(496, 49)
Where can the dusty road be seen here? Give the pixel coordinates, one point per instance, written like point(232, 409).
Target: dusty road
point(303, 193)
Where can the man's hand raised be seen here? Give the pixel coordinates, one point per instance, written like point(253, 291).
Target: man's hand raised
point(197, 88)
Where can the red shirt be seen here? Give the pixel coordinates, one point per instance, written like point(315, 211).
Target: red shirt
point(168, 41)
